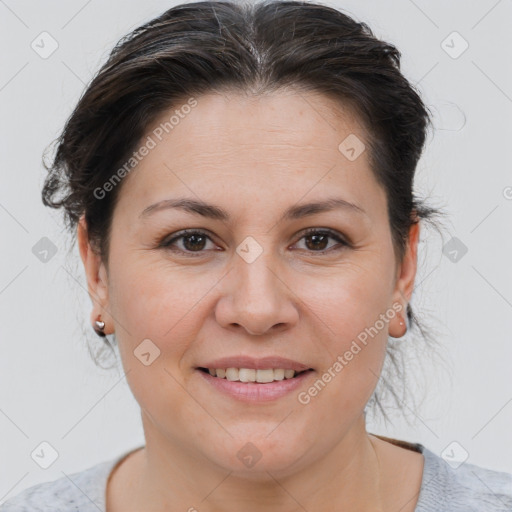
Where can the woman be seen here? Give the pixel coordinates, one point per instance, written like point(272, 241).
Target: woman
point(240, 179)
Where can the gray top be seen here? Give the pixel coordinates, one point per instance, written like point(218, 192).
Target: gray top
point(468, 488)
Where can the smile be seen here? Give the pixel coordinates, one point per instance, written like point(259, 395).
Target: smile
point(252, 375)
point(251, 385)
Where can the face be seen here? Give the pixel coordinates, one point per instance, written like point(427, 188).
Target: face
point(266, 279)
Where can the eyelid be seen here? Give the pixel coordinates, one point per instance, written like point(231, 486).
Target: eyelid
point(326, 231)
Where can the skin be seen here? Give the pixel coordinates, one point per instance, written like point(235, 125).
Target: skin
point(254, 157)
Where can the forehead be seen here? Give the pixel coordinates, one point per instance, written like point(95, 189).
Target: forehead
point(282, 121)
point(284, 145)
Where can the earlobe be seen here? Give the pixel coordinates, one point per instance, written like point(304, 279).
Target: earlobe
point(398, 325)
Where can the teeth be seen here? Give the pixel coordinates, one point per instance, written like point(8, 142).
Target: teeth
point(279, 374)
point(232, 374)
point(288, 374)
point(247, 375)
point(252, 375)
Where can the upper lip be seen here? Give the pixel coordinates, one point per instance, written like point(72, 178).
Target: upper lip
point(262, 363)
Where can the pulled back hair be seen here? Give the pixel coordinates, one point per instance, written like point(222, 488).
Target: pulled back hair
point(248, 48)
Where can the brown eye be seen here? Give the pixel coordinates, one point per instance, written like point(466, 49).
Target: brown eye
point(192, 242)
point(317, 240)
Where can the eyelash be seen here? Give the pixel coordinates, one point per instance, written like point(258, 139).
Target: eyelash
point(167, 244)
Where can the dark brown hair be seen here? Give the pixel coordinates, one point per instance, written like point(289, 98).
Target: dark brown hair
point(217, 46)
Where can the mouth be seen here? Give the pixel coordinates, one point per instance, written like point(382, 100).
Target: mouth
point(251, 375)
point(252, 385)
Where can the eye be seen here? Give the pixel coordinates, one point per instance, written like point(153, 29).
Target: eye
point(316, 240)
point(193, 241)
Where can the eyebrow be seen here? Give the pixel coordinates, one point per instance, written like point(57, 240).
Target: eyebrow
point(212, 211)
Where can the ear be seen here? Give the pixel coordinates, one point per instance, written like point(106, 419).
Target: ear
point(404, 287)
point(97, 278)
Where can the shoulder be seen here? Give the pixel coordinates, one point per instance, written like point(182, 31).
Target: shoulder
point(82, 491)
point(465, 487)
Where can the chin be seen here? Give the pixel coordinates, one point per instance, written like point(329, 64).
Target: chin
point(254, 457)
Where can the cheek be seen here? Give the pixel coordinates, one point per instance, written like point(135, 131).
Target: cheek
point(351, 300)
point(354, 309)
point(154, 299)
point(159, 305)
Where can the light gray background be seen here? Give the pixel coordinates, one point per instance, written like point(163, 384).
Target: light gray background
point(50, 388)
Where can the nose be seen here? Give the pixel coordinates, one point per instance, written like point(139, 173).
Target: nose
point(255, 298)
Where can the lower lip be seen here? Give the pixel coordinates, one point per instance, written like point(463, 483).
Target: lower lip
point(255, 391)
